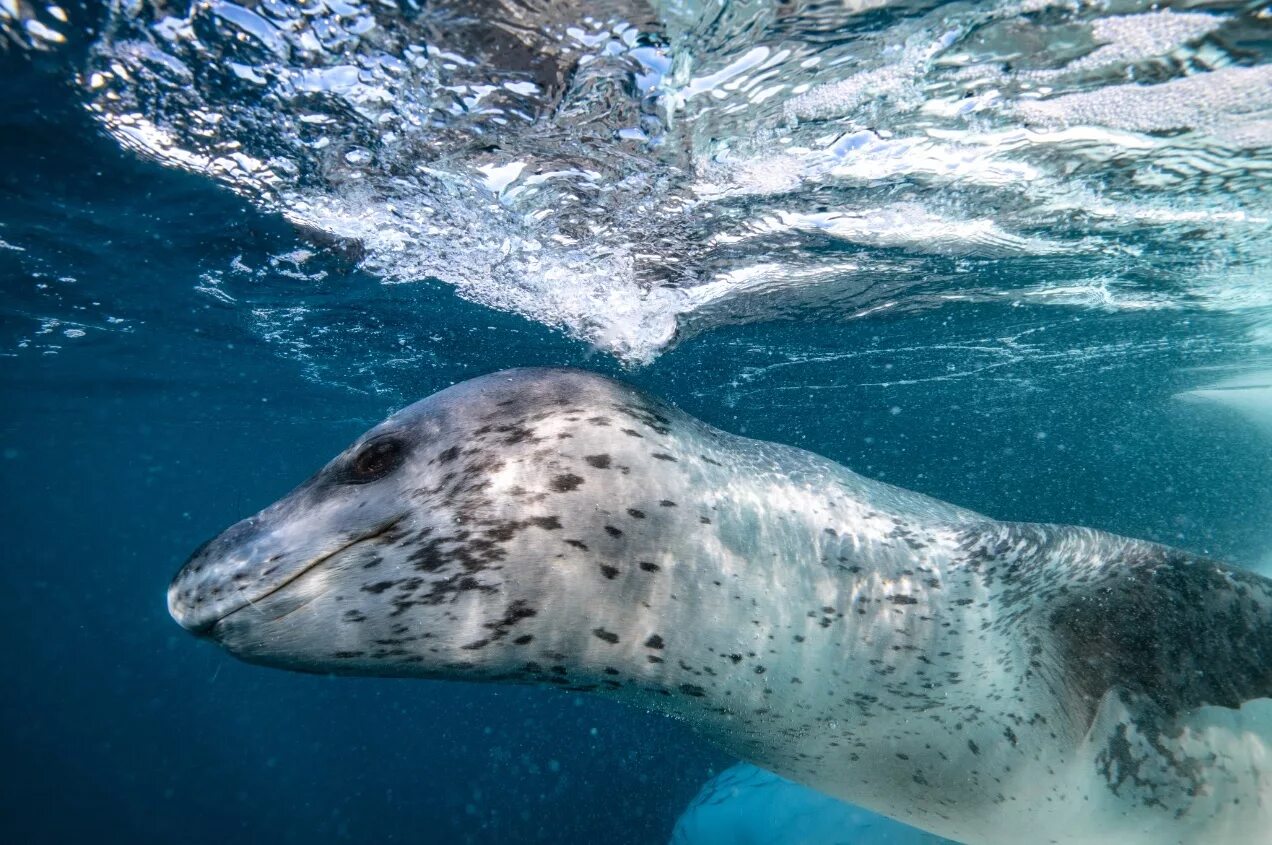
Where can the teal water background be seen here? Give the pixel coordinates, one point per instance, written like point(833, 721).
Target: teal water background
point(142, 414)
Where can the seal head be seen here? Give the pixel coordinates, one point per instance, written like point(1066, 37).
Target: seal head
point(434, 543)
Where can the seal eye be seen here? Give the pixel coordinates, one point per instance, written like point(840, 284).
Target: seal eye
point(376, 460)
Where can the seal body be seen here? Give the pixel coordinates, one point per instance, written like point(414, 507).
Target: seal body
point(989, 682)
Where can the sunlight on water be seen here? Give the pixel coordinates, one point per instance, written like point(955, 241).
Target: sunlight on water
point(635, 174)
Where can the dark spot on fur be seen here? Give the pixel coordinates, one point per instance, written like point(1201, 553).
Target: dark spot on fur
point(578, 544)
point(635, 514)
point(662, 456)
point(649, 567)
point(598, 461)
point(566, 482)
point(503, 533)
point(693, 689)
point(547, 523)
point(610, 572)
point(602, 634)
point(523, 639)
point(667, 503)
point(900, 599)
point(613, 532)
point(654, 641)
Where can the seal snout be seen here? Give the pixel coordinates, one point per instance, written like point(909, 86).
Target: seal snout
point(187, 615)
point(213, 582)
point(190, 590)
point(252, 563)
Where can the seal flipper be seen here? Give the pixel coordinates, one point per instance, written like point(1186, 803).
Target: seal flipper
point(1194, 769)
point(1157, 665)
point(1159, 625)
point(1102, 613)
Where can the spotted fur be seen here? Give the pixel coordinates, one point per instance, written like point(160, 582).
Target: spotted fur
point(991, 682)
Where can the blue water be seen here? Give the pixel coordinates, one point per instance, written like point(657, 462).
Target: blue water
point(153, 393)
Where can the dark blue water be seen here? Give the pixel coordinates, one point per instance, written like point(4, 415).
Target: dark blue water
point(166, 414)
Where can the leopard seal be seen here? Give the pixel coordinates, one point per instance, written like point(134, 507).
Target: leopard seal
point(990, 682)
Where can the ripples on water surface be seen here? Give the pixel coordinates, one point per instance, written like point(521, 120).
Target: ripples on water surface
point(635, 174)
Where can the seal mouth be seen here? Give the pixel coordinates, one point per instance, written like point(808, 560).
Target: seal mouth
point(207, 628)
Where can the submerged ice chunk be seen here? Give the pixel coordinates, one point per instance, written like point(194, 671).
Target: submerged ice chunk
point(1249, 395)
point(745, 805)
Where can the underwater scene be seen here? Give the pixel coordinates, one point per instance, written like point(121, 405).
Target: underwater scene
point(797, 422)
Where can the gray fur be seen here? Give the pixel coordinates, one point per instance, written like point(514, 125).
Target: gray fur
point(987, 681)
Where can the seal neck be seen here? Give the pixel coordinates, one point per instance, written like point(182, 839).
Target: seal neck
point(807, 604)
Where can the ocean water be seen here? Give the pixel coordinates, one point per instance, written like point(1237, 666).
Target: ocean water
point(1014, 255)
